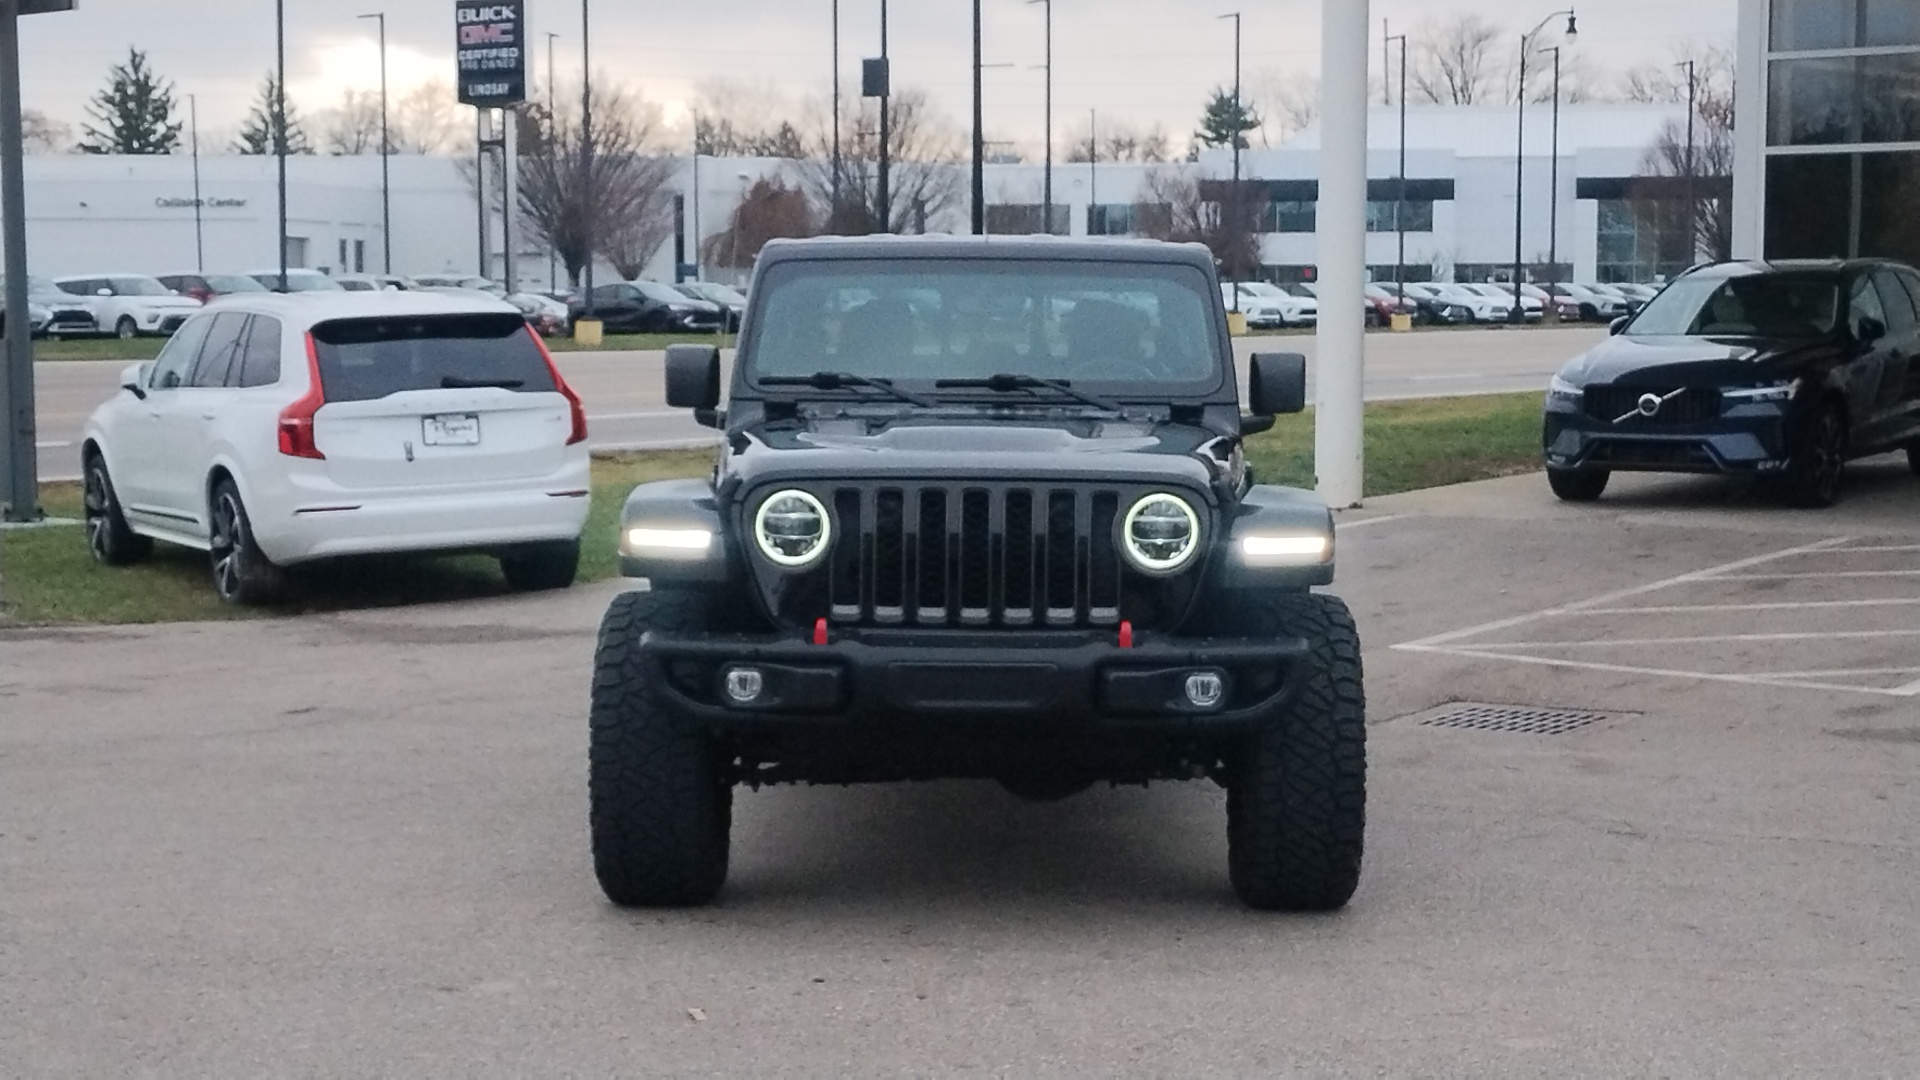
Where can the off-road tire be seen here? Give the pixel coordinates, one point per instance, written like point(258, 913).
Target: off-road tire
point(1297, 785)
point(126, 329)
point(1578, 485)
point(541, 567)
point(242, 574)
point(660, 810)
point(1813, 474)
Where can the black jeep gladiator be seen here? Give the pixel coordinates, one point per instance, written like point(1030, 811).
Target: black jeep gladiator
point(982, 511)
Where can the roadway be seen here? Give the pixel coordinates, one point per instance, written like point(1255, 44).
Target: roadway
point(626, 406)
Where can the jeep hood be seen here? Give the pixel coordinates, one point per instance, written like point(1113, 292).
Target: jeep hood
point(946, 448)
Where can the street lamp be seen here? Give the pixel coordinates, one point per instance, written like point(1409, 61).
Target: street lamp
point(386, 151)
point(1693, 207)
point(1519, 312)
point(199, 229)
point(1400, 192)
point(586, 154)
point(1233, 272)
point(553, 254)
point(1548, 312)
point(280, 123)
point(833, 218)
point(1046, 184)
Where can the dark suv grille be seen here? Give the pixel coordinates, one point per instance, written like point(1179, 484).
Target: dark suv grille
point(1689, 406)
point(968, 555)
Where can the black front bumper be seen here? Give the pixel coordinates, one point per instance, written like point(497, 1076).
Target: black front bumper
point(1033, 682)
point(1744, 439)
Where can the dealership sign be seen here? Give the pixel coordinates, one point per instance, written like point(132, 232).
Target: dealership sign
point(492, 52)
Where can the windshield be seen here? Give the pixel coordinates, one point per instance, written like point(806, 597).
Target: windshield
point(233, 283)
point(138, 286)
point(1093, 324)
point(1754, 305)
point(666, 294)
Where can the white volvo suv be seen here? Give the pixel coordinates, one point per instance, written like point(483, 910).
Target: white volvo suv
point(274, 430)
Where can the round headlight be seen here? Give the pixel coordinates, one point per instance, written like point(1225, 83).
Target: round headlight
point(792, 528)
point(1161, 533)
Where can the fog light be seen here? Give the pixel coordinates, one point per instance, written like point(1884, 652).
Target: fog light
point(744, 684)
point(1205, 689)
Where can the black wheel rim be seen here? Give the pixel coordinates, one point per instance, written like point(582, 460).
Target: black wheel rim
point(229, 535)
point(98, 506)
point(1824, 456)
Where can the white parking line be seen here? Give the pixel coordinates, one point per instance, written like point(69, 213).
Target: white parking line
point(1783, 605)
point(1430, 644)
point(1910, 690)
point(1368, 521)
point(649, 414)
point(1816, 574)
point(1702, 639)
point(1831, 672)
point(51, 445)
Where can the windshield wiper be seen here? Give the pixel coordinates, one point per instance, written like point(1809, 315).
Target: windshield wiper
point(1004, 383)
point(840, 380)
point(455, 382)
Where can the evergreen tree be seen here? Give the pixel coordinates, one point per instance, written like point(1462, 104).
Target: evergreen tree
point(256, 135)
point(134, 113)
point(1226, 121)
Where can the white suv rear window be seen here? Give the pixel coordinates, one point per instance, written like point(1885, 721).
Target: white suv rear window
point(367, 359)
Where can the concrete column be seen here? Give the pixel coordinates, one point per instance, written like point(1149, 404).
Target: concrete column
point(1342, 239)
point(1750, 131)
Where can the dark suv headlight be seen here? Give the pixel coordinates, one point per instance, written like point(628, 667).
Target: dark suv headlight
point(1160, 534)
point(792, 529)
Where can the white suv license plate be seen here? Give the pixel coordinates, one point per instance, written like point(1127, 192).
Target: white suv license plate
point(452, 429)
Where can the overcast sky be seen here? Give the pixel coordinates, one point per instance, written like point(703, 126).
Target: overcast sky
point(1150, 60)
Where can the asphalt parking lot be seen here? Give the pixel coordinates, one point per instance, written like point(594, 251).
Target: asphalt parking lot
point(356, 844)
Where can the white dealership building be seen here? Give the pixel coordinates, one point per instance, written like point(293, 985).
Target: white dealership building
point(89, 214)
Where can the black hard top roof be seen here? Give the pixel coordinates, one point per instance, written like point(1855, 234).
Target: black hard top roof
point(944, 246)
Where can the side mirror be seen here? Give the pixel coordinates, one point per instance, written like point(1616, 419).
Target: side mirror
point(693, 377)
point(1277, 384)
point(134, 380)
point(1617, 325)
point(1870, 330)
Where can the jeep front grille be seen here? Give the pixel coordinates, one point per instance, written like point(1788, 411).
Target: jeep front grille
point(968, 555)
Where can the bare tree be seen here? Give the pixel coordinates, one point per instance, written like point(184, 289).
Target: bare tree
point(768, 210)
point(631, 211)
point(737, 119)
point(45, 135)
point(1581, 81)
point(1117, 140)
point(353, 126)
point(1709, 161)
point(1291, 103)
point(1178, 204)
point(1666, 83)
point(429, 120)
point(924, 179)
point(1457, 62)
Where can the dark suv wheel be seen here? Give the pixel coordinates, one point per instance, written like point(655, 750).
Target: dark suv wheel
point(1578, 485)
point(1297, 785)
point(538, 567)
point(661, 809)
point(1812, 478)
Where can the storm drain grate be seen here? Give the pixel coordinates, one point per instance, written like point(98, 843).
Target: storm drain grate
point(1518, 719)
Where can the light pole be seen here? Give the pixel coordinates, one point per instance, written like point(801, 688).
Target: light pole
point(886, 125)
point(1548, 312)
point(280, 123)
point(1046, 183)
point(553, 76)
point(1233, 205)
point(199, 230)
point(1400, 192)
point(386, 151)
point(979, 134)
point(1519, 312)
point(694, 197)
point(833, 218)
point(1693, 241)
point(586, 154)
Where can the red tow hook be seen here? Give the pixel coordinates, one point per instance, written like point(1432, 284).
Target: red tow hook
point(819, 631)
point(1126, 633)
